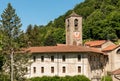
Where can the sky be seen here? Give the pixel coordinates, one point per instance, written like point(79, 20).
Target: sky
point(38, 12)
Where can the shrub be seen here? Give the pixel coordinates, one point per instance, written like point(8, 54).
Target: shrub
point(106, 78)
point(56, 78)
point(4, 77)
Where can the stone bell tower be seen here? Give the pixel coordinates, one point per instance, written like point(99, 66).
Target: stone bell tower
point(73, 29)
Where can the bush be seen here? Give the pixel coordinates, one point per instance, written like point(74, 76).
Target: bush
point(4, 77)
point(56, 78)
point(107, 78)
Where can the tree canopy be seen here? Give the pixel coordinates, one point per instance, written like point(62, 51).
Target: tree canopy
point(10, 44)
point(100, 21)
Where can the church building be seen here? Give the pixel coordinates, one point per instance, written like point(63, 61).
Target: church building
point(92, 59)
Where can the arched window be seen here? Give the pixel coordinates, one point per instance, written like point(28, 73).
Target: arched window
point(76, 24)
point(68, 24)
point(118, 51)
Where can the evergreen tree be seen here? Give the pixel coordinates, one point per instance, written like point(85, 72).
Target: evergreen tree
point(33, 35)
point(1, 56)
point(11, 28)
point(11, 31)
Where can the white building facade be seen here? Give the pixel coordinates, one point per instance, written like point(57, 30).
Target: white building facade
point(94, 59)
point(66, 61)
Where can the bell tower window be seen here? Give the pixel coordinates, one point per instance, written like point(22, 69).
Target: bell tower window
point(118, 51)
point(76, 24)
point(68, 24)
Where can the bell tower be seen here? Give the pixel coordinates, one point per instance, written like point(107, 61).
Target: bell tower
point(73, 29)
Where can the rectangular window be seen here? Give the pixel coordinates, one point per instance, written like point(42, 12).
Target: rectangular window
point(79, 69)
point(94, 58)
point(42, 69)
point(63, 58)
point(26, 69)
point(34, 69)
point(52, 58)
point(34, 58)
point(42, 58)
point(90, 57)
point(52, 69)
point(63, 69)
point(79, 57)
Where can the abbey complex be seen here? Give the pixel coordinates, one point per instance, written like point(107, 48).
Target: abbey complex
point(93, 59)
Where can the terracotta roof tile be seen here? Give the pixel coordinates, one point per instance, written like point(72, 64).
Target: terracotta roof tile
point(55, 49)
point(116, 72)
point(95, 43)
point(110, 48)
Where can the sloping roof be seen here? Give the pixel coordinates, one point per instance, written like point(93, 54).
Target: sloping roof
point(110, 48)
point(73, 14)
point(95, 43)
point(65, 49)
point(116, 72)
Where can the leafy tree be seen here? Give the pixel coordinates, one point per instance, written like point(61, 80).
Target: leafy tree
point(59, 35)
point(33, 34)
point(23, 40)
point(11, 31)
point(50, 41)
point(21, 62)
point(29, 34)
point(100, 19)
point(59, 22)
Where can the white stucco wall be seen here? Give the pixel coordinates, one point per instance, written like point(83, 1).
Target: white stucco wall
point(71, 63)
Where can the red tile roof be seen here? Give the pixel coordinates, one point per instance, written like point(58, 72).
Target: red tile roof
point(116, 72)
point(95, 43)
point(55, 49)
point(110, 48)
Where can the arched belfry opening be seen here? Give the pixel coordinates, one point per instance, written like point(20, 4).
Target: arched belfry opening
point(118, 51)
point(76, 24)
point(73, 29)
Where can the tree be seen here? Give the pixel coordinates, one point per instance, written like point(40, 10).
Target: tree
point(59, 35)
point(50, 41)
point(11, 30)
point(33, 34)
point(1, 62)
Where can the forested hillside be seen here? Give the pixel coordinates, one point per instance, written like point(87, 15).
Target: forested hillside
point(101, 20)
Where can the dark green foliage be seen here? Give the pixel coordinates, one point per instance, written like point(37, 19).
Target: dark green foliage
point(100, 21)
point(50, 41)
point(2, 60)
point(11, 42)
point(106, 78)
point(56, 78)
point(4, 77)
point(59, 35)
point(59, 22)
point(10, 28)
point(33, 35)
